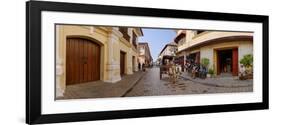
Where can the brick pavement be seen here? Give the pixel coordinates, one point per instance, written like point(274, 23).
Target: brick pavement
point(151, 85)
point(228, 81)
point(100, 89)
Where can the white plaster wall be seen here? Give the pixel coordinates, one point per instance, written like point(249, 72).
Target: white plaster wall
point(129, 61)
point(207, 52)
point(188, 40)
point(244, 49)
point(192, 39)
point(209, 35)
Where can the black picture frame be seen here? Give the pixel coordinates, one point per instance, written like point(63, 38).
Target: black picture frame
point(33, 61)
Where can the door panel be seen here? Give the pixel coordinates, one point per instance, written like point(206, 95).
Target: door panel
point(85, 59)
point(218, 63)
point(122, 63)
point(133, 63)
point(235, 61)
point(82, 61)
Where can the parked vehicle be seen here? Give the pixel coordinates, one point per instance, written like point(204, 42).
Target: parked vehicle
point(165, 65)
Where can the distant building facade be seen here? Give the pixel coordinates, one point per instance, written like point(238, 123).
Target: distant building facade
point(93, 53)
point(169, 50)
point(144, 55)
point(223, 49)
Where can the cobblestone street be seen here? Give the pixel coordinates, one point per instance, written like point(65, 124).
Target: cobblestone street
point(151, 85)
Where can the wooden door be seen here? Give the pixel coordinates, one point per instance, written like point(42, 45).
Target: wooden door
point(133, 63)
point(82, 61)
point(235, 62)
point(122, 63)
point(218, 63)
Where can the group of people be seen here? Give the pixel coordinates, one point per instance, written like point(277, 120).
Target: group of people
point(245, 73)
point(175, 70)
point(142, 67)
point(196, 69)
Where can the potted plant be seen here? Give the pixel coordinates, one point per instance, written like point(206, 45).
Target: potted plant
point(247, 61)
point(205, 62)
point(210, 73)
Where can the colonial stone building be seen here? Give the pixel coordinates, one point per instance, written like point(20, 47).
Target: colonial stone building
point(92, 53)
point(144, 58)
point(169, 50)
point(223, 49)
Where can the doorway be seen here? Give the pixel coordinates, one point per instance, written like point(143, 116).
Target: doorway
point(194, 57)
point(227, 62)
point(82, 61)
point(122, 63)
point(133, 63)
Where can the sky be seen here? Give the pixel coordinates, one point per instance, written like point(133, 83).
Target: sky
point(157, 39)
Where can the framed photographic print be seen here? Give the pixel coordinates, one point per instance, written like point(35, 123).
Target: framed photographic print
point(94, 62)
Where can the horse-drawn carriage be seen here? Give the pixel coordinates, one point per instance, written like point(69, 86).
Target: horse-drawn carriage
point(170, 68)
point(165, 65)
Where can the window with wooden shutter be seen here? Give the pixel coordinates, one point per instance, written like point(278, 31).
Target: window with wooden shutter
point(124, 31)
point(134, 40)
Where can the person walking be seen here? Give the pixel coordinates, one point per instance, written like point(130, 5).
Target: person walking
point(143, 68)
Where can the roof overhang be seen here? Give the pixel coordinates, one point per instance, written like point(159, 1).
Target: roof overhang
point(219, 40)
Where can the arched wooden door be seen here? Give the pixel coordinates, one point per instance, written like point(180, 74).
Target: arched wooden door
point(82, 61)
